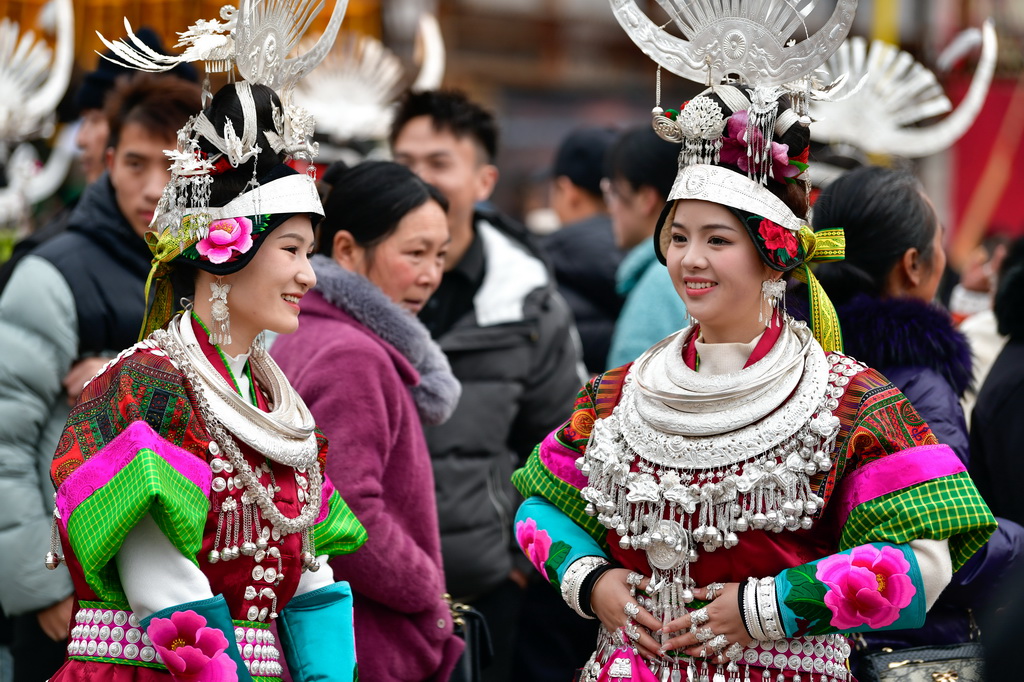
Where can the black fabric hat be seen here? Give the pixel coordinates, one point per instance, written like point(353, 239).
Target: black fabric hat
point(581, 157)
point(96, 84)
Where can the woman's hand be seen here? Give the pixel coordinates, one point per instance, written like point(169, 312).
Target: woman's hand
point(608, 600)
point(723, 618)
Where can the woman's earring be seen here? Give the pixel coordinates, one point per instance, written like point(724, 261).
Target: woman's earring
point(773, 292)
point(221, 334)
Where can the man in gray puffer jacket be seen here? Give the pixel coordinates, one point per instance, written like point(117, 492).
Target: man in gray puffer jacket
point(512, 345)
point(72, 303)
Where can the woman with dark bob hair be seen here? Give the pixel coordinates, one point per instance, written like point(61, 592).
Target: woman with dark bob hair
point(884, 292)
point(372, 377)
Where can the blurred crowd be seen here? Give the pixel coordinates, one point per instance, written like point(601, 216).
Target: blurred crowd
point(521, 322)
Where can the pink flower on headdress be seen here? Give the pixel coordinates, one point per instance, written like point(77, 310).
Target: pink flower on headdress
point(226, 236)
point(868, 585)
point(777, 237)
point(190, 650)
point(735, 143)
point(536, 544)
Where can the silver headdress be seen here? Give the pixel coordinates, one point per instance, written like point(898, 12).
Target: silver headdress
point(33, 78)
point(351, 94)
point(887, 93)
point(256, 38)
point(748, 44)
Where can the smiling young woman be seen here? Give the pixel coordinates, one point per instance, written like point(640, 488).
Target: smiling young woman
point(208, 514)
point(743, 492)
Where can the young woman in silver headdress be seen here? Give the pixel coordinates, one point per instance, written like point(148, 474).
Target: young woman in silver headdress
point(743, 492)
point(192, 505)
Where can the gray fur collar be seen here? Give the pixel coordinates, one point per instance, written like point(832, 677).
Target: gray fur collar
point(438, 391)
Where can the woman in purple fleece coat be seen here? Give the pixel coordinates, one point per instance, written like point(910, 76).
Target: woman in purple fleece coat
point(371, 376)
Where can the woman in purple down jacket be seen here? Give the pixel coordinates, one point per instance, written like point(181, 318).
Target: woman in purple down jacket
point(371, 375)
point(883, 292)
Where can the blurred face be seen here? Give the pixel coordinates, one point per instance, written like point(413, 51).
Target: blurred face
point(408, 265)
point(630, 210)
point(138, 171)
point(265, 293)
point(91, 141)
point(454, 165)
point(716, 271)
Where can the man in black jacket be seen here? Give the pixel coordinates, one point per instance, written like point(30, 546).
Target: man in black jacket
point(510, 339)
point(70, 305)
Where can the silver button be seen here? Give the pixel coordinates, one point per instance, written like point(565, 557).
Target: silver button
point(252, 612)
point(257, 574)
point(440, 623)
point(269, 575)
point(250, 592)
point(90, 650)
point(146, 640)
point(217, 465)
point(108, 617)
point(239, 634)
point(133, 636)
point(250, 633)
point(148, 653)
point(105, 632)
point(247, 651)
point(120, 618)
point(117, 633)
point(114, 650)
point(263, 614)
point(101, 649)
point(214, 448)
point(257, 651)
point(133, 620)
point(97, 616)
point(131, 652)
point(94, 631)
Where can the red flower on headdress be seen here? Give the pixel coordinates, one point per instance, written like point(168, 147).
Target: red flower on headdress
point(778, 237)
point(735, 143)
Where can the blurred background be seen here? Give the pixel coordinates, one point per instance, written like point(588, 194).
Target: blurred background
point(549, 66)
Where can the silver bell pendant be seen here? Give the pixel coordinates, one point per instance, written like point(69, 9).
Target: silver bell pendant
point(52, 560)
point(309, 561)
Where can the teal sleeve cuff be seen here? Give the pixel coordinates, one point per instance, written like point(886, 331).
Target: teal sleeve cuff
point(215, 611)
point(877, 586)
point(550, 539)
point(317, 635)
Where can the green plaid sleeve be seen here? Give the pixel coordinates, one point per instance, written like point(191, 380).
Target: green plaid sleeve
point(340, 532)
point(949, 507)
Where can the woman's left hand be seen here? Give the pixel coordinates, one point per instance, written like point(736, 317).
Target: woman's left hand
point(723, 618)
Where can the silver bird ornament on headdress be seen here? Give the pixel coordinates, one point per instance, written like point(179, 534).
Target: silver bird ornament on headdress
point(749, 40)
point(33, 79)
point(890, 92)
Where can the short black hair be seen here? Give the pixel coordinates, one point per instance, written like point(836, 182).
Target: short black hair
point(644, 160)
point(1009, 302)
point(453, 111)
point(883, 213)
point(369, 200)
point(160, 104)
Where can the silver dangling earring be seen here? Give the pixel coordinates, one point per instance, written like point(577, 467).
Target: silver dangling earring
point(773, 292)
point(221, 334)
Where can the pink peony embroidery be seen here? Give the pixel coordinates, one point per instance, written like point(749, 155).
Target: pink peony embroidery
point(226, 236)
point(190, 650)
point(734, 148)
point(868, 585)
point(536, 544)
point(777, 237)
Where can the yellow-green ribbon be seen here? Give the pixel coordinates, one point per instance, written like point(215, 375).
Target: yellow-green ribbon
point(165, 248)
point(822, 247)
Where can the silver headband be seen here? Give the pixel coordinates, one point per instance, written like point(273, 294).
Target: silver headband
point(722, 186)
point(290, 194)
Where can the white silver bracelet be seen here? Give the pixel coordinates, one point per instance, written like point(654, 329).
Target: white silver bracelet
point(575, 576)
point(768, 610)
point(750, 619)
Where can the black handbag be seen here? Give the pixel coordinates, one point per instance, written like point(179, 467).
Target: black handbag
point(949, 663)
point(471, 626)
